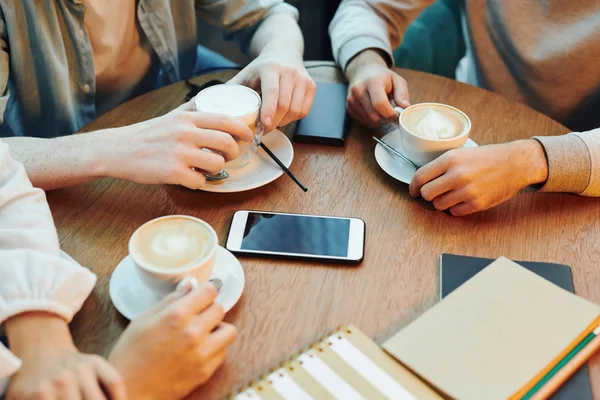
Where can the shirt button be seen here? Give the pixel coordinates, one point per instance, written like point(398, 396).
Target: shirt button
point(86, 88)
point(81, 33)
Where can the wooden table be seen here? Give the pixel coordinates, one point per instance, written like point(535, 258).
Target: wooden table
point(288, 304)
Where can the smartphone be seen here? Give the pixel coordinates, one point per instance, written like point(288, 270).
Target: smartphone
point(297, 236)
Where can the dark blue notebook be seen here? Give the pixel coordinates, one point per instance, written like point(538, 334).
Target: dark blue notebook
point(456, 270)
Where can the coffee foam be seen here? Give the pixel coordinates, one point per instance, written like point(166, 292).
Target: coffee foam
point(434, 122)
point(232, 100)
point(172, 243)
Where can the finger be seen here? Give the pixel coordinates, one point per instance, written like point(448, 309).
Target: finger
point(222, 337)
point(269, 82)
point(205, 161)
point(287, 83)
point(309, 97)
point(186, 176)
point(216, 140)
point(111, 380)
point(380, 101)
point(188, 106)
point(68, 387)
point(296, 104)
point(436, 187)
point(195, 301)
point(209, 319)
point(220, 122)
point(356, 111)
point(209, 367)
point(401, 97)
point(364, 101)
point(448, 200)
point(462, 209)
point(425, 174)
point(91, 390)
point(238, 79)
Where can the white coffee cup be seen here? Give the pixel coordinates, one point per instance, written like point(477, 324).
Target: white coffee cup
point(425, 146)
point(239, 102)
point(166, 240)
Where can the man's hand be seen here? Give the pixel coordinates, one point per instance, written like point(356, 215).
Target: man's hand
point(164, 150)
point(465, 181)
point(175, 347)
point(286, 88)
point(53, 368)
point(372, 86)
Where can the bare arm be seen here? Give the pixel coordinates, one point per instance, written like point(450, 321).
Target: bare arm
point(163, 150)
point(63, 161)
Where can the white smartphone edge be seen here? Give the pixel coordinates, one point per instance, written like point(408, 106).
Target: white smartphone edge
point(356, 237)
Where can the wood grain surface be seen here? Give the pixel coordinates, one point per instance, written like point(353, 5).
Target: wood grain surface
point(288, 304)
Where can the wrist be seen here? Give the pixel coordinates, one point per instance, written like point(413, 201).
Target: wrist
point(104, 159)
point(366, 58)
point(535, 163)
point(28, 332)
point(284, 51)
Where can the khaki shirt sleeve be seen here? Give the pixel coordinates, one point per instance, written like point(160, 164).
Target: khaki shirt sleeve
point(4, 70)
point(573, 163)
point(369, 24)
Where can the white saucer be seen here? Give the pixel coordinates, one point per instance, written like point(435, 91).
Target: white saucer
point(261, 169)
point(131, 297)
point(393, 165)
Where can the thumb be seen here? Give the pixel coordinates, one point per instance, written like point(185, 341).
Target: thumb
point(184, 286)
point(400, 91)
point(238, 79)
point(189, 106)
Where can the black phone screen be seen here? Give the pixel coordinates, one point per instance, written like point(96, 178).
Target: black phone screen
point(299, 234)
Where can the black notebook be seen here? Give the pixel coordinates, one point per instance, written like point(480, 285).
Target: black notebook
point(456, 270)
point(326, 123)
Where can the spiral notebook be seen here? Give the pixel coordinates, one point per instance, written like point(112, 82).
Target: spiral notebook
point(504, 334)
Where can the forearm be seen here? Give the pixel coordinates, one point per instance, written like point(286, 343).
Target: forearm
point(278, 33)
point(63, 161)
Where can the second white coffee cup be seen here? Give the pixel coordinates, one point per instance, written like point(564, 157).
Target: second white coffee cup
point(419, 136)
point(165, 250)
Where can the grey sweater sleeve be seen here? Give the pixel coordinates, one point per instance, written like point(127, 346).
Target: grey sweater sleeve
point(573, 163)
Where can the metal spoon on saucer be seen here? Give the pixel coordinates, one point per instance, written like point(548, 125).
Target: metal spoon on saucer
point(217, 177)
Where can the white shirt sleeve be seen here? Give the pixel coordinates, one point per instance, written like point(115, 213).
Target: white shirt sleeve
point(371, 24)
point(34, 276)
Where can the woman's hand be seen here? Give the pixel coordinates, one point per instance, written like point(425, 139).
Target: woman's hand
point(174, 347)
point(52, 366)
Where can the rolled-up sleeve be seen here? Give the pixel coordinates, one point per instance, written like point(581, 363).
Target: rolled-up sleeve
point(34, 274)
point(241, 18)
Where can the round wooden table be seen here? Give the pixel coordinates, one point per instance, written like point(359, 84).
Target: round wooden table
point(287, 304)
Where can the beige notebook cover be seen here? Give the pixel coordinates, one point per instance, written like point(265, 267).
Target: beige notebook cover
point(495, 336)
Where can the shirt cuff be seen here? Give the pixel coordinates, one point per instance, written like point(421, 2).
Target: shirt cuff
point(35, 281)
point(569, 163)
point(358, 44)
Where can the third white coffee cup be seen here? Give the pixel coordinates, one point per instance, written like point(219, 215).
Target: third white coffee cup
point(165, 250)
point(428, 130)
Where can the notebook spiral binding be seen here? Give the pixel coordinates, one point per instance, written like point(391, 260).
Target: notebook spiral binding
point(314, 345)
